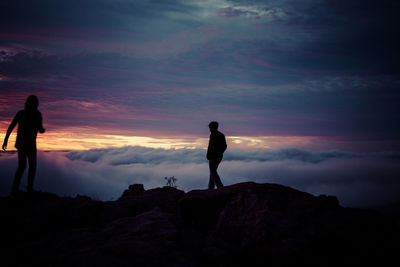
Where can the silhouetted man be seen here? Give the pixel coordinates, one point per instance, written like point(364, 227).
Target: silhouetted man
point(29, 123)
point(216, 148)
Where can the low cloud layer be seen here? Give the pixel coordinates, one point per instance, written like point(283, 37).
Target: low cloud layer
point(360, 180)
point(145, 155)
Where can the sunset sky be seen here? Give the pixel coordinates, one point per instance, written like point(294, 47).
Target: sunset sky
point(323, 72)
point(312, 75)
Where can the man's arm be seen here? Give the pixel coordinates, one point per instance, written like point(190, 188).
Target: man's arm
point(224, 146)
point(209, 149)
point(10, 128)
point(221, 144)
point(41, 129)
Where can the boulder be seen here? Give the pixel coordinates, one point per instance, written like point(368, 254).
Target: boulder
point(246, 224)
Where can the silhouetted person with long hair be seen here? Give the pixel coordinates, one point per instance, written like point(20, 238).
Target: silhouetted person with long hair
point(29, 123)
point(216, 148)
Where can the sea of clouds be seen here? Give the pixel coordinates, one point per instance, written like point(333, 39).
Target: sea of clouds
point(358, 180)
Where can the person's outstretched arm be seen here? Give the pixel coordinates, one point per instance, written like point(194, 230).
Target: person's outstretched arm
point(41, 129)
point(10, 128)
point(224, 145)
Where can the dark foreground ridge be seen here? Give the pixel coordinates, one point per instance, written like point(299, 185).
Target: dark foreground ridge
point(245, 224)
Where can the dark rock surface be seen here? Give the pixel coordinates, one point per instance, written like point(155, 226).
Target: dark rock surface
point(245, 224)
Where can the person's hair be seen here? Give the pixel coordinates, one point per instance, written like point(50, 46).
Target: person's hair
point(32, 102)
point(213, 125)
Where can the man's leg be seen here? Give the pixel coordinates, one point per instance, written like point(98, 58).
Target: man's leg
point(20, 171)
point(211, 182)
point(214, 177)
point(32, 169)
point(217, 178)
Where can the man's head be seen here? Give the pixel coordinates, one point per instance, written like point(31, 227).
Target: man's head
point(32, 102)
point(213, 126)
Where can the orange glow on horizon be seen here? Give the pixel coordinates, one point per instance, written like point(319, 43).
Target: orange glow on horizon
point(85, 138)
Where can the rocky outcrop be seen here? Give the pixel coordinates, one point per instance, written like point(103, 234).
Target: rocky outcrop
point(244, 224)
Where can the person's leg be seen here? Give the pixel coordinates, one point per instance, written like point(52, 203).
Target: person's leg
point(32, 169)
point(217, 179)
point(20, 171)
point(211, 183)
point(214, 177)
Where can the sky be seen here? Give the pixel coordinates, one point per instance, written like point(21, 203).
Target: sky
point(282, 75)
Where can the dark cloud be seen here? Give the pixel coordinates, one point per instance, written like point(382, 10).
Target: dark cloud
point(38, 66)
point(341, 36)
point(83, 13)
point(362, 33)
point(329, 35)
point(232, 12)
